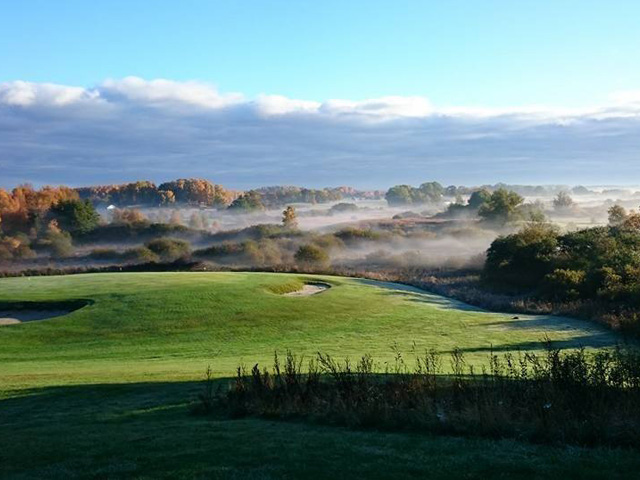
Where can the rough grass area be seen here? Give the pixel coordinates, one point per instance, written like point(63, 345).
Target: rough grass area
point(100, 392)
point(558, 397)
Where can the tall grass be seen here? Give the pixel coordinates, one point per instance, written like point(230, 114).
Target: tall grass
point(555, 397)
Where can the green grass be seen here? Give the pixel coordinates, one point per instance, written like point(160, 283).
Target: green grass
point(103, 392)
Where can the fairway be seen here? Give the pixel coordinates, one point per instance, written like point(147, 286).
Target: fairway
point(171, 326)
point(103, 391)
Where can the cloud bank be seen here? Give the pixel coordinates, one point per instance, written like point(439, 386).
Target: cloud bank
point(131, 128)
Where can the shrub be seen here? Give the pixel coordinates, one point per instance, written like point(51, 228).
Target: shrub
point(140, 255)
point(355, 234)
point(523, 259)
point(343, 208)
point(564, 284)
point(311, 255)
point(572, 398)
point(169, 249)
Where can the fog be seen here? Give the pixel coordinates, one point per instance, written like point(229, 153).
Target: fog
point(355, 233)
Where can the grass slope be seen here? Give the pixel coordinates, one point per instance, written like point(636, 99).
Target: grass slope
point(103, 392)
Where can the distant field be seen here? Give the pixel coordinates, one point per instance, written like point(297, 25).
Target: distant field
point(105, 387)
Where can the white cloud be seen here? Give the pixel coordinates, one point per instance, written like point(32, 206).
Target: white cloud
point(163, 91)
point(60, 134)
point(280, 105)
point(25, 94)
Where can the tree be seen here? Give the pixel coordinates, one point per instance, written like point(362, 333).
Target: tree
point(248, 202)
point(564, 284)
point(76, 216)
point(127, 216)
point(563, 202)
point(197, 191)
point(502, 207)
point(478, 198)
point(399, 195)
point(57, 241)
point(522, 259)
point(290, 218)
point(430, 192)
point(617, 215)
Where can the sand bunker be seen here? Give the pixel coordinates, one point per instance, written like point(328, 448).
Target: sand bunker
point(12, 313)
point(309, 289)
point(11, 317)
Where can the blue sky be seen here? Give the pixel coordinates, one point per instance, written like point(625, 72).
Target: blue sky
point(473, 52)
point(367, 93)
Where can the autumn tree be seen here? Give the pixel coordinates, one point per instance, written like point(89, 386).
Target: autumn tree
point(290, 217)
point(126, 216)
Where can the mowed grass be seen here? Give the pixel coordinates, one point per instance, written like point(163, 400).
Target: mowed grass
point(103, 392)
point(170, 326)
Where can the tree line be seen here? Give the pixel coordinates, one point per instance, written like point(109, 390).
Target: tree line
point(600, 264)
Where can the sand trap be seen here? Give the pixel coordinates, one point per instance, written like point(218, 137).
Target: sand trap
point(11, 317)
point(309, 289)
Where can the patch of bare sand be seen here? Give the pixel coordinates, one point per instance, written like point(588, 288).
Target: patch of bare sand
point(309, 289)
point(12, 317)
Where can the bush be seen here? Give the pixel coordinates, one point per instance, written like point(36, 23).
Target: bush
point(523, 259)
point(343, 208)
point(356, 234)
point(140, 255)
point(169, 249)
point(311, 255)
point(564, 284)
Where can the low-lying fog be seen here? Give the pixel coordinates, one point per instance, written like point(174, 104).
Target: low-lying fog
point(411, 236)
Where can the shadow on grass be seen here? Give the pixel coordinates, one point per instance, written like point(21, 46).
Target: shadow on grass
point(143, 430)
point(415, 294)
point(595, 340)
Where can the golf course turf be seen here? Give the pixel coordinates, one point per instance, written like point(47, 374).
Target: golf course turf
point(103, 391)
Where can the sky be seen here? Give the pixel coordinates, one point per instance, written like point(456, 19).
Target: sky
point(368, 93)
